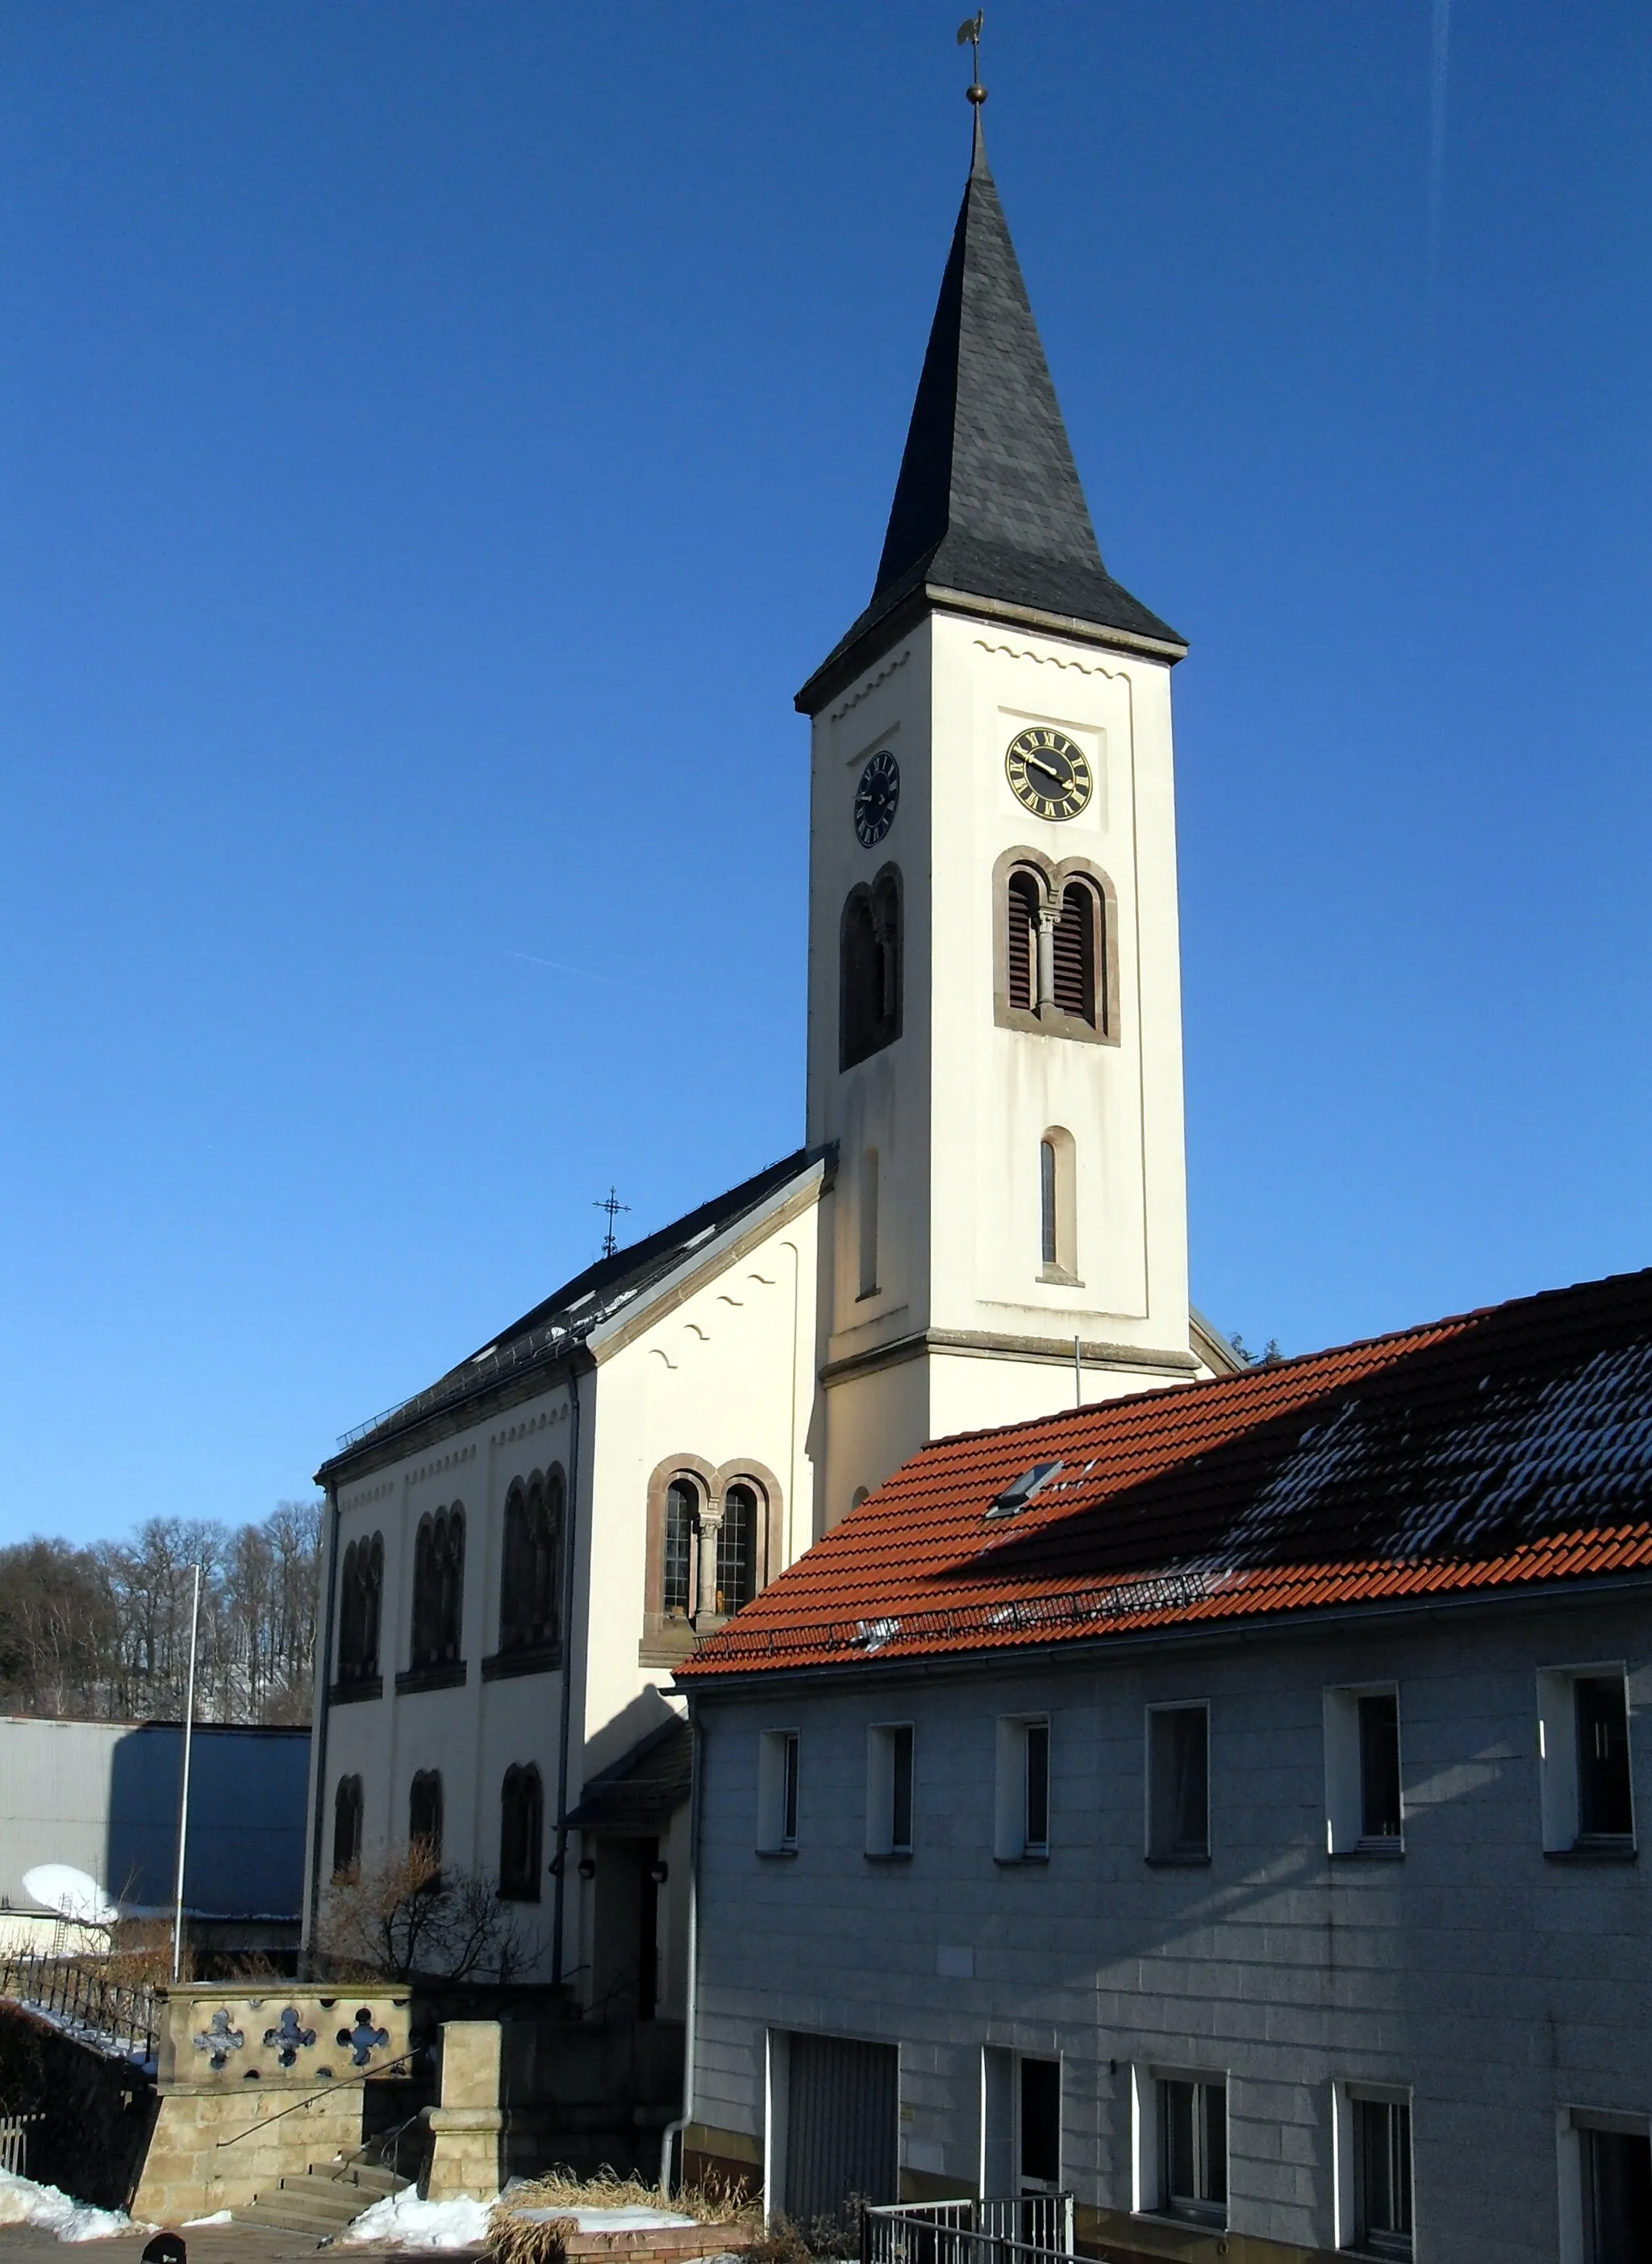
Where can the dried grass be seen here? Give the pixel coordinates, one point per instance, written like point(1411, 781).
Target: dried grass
point(512, 2240)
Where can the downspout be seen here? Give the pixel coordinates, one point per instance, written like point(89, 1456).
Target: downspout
point(674, 2130)
point(559, 1866)
point(323, 1670)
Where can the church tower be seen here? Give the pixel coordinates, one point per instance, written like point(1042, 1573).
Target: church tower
point(994, 999)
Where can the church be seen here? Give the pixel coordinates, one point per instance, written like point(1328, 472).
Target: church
point(985, 1221)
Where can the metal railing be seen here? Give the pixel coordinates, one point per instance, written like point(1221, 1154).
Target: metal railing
point(14, 2142)
point(1010, 2229)
point(115, 2016)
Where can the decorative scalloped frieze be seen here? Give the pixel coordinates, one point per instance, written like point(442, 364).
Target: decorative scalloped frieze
point(1048, 659)
point(865, 691)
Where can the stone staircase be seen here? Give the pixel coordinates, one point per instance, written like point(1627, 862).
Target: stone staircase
point(324, 2199)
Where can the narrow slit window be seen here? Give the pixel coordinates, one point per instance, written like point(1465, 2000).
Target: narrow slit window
point(869, 1194)
point(1037, 1788)
point(1048, 1244)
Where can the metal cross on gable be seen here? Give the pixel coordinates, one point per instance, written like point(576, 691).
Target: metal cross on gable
point(364, 2039)
point(219, 2039)
point(613, 1206)
point(291, 2035)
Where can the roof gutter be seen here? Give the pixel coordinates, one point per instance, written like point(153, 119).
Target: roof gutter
point(1210, 1634)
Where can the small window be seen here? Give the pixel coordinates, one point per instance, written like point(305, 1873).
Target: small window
point(1363, 1808)
point(777, 1792)
point(737, 1549)
point(1022, 1832)
point(1584, 1760)
point(1193, 2148)
point(1178, 1784)
point(681, 1551)
point(1380, 2132)
point(889, 1790)
point(1614, 2182)
point(347, 1806)
point(423, 1814)
point(521, 1833)
point(1058, 1207)
point(867, 1198)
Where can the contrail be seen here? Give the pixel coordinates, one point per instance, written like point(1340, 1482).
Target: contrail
point(1438, 80)
point(561, 966)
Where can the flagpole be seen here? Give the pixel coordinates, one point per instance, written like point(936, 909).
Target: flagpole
point(182, 1801)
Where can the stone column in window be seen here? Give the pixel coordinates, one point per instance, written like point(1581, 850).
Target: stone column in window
point(1049, 913)
point(711, 1526)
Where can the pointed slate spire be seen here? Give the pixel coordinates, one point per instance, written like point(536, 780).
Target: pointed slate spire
point(988, 503)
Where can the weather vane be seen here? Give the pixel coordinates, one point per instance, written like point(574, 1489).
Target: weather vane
point(613, 1206)
point(970, 29)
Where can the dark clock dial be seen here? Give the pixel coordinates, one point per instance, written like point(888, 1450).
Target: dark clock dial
point(1047, 773)
point(875, 798)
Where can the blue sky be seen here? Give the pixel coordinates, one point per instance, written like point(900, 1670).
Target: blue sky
point(438, 436)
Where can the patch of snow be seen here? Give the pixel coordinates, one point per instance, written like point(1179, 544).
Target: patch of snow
point(402, 2221)
point(23, 2203)
point(218, 2216)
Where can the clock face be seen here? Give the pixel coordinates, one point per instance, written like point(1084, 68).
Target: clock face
point(1047, 773)
point(876, 799)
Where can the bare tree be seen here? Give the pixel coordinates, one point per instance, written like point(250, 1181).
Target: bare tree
point(406, 1917)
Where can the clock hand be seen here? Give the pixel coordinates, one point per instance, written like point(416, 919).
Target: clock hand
point(1033, 764)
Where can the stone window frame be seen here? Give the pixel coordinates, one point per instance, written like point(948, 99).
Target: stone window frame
point(1051, 876)
point(885, 889)
point(667, 1641)
point(509, 1659)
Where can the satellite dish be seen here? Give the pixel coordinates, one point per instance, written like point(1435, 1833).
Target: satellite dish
point(72, 1894)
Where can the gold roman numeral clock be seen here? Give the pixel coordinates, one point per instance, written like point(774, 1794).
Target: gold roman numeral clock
point(1047, 773)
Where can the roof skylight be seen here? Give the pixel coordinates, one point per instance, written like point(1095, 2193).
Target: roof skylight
point(1015, 1498)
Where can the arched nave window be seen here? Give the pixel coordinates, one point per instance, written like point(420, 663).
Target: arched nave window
point(361, 1592)
point(521, 1833)
point(423, 1814)
point(530, 1566)
point(347, 1809)
point(438, 1587)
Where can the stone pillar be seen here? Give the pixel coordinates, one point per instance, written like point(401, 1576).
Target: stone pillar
point(711, 1526)
point(464, 2162)
point(1049, 913)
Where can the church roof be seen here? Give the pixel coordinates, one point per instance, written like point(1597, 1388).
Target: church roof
point(563, 1322)
point(1506, 1451)
point(988, 503)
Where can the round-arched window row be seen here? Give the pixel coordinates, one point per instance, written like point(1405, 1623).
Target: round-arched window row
point(437, 1586)
point(361, 1599)
point(530, 1567)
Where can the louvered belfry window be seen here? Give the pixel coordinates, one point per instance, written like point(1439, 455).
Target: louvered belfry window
point(1022, 959)
point(1075, 953)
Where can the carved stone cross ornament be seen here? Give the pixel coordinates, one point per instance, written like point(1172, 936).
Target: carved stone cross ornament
point(219, 2039)
point(291, 2035)
point(364, 2039)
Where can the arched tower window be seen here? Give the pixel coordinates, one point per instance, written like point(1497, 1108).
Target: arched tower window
point(347, 1808)
point(681, 1566)
point(423, 1814)
point(437, 1586)
point(530, 1568)
point(870, 969)
point(737, 1549)
point(1021, 905)
point(1074, 953)
point(521, 1833)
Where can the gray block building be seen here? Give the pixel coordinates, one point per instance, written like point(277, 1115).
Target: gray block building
point(1223, 1805)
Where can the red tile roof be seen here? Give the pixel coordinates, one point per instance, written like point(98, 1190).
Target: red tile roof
point(1496, 1448)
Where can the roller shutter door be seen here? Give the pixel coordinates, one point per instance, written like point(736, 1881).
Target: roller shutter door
point(842, 2125)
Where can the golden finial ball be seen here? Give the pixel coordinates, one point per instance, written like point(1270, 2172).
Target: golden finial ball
point(977, 93)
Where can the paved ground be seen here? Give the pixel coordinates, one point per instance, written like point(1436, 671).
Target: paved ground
point(208, 2243)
